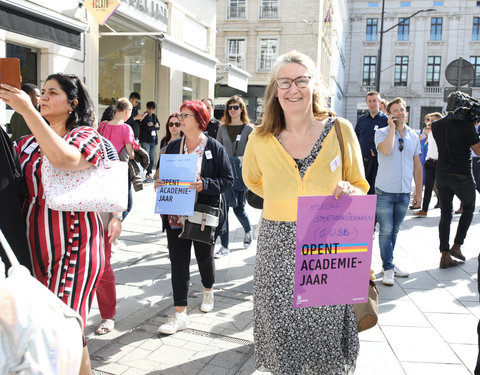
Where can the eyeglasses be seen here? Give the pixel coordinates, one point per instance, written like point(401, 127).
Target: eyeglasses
point(234, 107)
point(401, 144)
point(172, 124)
point(183, 116)
point(286, 83)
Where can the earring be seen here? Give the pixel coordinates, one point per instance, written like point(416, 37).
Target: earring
point(69, 112)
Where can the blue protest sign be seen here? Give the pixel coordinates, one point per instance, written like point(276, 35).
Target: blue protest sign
point(177, 171)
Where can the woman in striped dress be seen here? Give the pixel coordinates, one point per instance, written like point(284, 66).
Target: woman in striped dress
point(66, 247)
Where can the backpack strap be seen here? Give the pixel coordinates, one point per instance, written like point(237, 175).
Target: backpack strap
point(338, 131)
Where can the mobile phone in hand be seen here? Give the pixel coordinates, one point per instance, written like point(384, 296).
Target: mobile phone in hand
point(10, 72)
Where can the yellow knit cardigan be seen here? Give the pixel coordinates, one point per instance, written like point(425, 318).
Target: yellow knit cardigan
point(269, 171)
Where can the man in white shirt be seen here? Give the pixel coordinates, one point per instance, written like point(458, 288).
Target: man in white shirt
point(430, 165)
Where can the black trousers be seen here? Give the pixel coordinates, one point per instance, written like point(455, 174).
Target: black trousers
point(371, 166)
point(476, 172)
point(430, 167)
point(180, 254)
point(464, 188)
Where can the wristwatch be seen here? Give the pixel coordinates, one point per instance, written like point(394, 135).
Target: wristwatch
point(119, 217)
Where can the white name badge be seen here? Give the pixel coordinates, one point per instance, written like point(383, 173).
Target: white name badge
point(335, 163)
point(30, 148)
point(154, 133)
point(375, 127)
point(208, 154)
point(239, 137)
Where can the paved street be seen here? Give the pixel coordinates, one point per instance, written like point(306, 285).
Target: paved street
point(427, 322)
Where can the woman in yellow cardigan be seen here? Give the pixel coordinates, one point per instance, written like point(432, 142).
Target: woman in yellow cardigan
point(290, 154)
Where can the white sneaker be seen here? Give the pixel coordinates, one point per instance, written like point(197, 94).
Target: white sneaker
point(388, 277)
point(207, 303)
point(247, 240)
point(118, 245)
point(174, 323)
point(221, 253)
point(398, 272)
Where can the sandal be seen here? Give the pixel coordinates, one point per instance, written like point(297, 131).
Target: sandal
point(412, 207)
point(105, 326)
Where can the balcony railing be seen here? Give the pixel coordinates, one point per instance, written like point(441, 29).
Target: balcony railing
point(432, 90)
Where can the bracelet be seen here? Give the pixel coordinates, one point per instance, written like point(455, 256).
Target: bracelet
point(119, 217)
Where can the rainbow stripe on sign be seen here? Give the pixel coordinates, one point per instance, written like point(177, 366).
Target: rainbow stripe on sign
point(180, 183)
point(334, 248)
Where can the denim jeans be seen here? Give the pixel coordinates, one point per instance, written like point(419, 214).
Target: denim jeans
point(463, 187)
point(242, 217)
point(150, 147)
point(391, 210)
point(130, 201)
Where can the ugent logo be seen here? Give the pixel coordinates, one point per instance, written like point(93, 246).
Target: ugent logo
point(101, 4)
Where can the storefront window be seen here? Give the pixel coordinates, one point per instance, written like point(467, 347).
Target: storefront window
point(127, 64)
point(28, 62)
point(190, 87)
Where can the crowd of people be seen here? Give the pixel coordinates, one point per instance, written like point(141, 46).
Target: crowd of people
point(289, 154)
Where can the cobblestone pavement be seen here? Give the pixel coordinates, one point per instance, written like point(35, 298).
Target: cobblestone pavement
point(427, 322)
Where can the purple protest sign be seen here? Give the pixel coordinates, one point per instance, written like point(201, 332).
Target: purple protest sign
point(334, 250)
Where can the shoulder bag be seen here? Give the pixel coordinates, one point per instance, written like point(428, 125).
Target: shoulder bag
point(95, 189)
point(201, 226)
point(366, 313)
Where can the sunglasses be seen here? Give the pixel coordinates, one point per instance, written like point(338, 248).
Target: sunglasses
point(172, 124)
point(401, 144)
point(234, 107)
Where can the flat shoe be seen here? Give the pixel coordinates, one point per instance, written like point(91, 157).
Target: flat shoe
point(450, 263)
point(106, 326)
point(412, 207)
point(457, 254)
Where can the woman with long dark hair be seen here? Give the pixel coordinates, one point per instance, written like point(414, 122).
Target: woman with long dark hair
point(233, 135)
point(66, 247)
point(172, 130)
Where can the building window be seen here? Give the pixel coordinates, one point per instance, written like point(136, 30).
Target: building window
point(436, 28)
point(269, 9)
point(401, 71)
point(404, 3)
point(236, 9)
point(236, 52)
point(476, 28)
point(369, 70)
point(403, 28)
point(268, 50)
point(475, 61)
point(372, 28)
point(433, 70)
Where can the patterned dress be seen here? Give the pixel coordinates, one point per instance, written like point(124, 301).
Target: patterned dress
point(66, 247)
point(313, 340)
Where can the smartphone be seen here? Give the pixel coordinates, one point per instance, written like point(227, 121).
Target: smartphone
point(10, 72)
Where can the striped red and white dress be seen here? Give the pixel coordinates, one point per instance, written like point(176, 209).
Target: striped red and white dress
point(66, 247)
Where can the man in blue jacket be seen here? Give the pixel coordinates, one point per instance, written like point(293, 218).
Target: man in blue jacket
point(365, 129)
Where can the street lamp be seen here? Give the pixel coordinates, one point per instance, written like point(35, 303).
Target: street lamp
point(379, 57)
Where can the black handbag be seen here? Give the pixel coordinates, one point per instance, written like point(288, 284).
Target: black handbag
point(254, 200)
point(201, 225)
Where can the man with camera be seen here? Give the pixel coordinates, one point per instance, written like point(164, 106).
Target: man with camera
point(455, 134)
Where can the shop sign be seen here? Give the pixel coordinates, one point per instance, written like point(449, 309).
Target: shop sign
point(101, 10)
point(153, 8)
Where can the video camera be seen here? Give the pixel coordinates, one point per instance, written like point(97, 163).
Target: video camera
point(463, 107)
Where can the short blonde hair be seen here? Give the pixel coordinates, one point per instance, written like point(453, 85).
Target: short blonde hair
point(122, 104)
point(273, 121)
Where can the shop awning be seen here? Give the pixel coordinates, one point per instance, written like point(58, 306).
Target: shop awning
point(180, 56)
point(26, 18)
point(237, 78)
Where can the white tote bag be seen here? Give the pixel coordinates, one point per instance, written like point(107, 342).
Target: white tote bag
point(95, 189)
point(39, 334)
